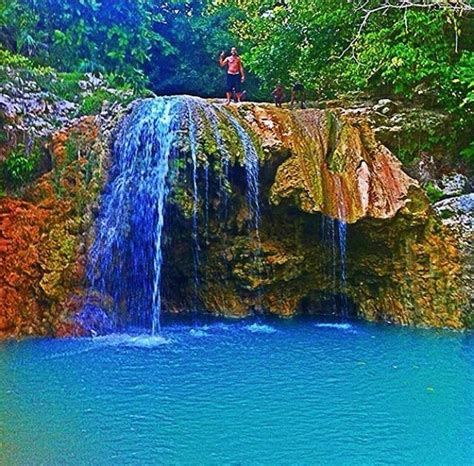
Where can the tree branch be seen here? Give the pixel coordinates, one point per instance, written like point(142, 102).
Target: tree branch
point(458, 7)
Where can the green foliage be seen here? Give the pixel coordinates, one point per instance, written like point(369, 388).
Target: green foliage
point(66, 86)
point(15, 60)
point(91, 166)
point(434, 194)
point(468, 154)
point(173, 46)
point(25, 66)
point(178, 39)
point(464, 74)
point(3, 135)
point(446, 213)
point(56, 181)
point(423, 54)
point(72, 149)
point(400, 52)
point(92, 104)
point(19, 27)
point(194, 38)
point(19, 168)
point(464, 80)
point(321, 44)
point(86, 35)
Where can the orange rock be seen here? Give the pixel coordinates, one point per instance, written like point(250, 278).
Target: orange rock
point(39, 241)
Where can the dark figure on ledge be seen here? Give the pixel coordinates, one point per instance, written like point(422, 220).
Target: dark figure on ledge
point(235, 74)
point(278, 94)
point(298, 95)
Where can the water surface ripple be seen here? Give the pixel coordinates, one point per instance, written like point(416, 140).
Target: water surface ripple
point(279, 392)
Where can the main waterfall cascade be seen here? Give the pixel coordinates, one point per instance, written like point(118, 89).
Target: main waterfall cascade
point(126, 258)
point(149, 154)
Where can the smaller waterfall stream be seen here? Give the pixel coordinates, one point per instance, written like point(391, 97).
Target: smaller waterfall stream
point(342, 237)
point(342, 240)
point(252, 170)
point(195, 230)
point(334, 234)
point(213, 119)
point(252, 175)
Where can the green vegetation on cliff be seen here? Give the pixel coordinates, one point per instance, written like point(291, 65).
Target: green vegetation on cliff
point(419, 52)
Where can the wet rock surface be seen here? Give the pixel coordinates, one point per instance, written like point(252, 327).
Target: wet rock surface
point(406, 263)
point(457, 215)
point(454, 184)
point(403, 265)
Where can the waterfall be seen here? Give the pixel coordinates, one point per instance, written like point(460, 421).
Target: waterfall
point(126, 258)
point(206, 202)
point(328, 234)
point(342, 240)
point(252, 175)
point(211, 115)
point(334, 234)
point(342, 236)
point(195, 232)
point(252, 169)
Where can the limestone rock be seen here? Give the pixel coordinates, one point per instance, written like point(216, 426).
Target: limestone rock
point(42, 237)
point(335, 165)
point(457, 215)
point(405, 263)
point(454, 184)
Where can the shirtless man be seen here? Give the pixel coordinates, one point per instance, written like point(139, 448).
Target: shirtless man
point(235, 73)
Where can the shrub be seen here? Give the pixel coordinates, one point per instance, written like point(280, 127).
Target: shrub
point(468, 155)
point(66, 86)
point(92, 104)
point(19, 168)
point(15, 60)
point(434, 194)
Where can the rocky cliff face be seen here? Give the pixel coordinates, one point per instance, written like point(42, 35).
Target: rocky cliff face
point(43, 234)
point(44, 226)
point(401, 264)
point(398, 261)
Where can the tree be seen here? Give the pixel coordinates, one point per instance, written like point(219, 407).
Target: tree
point(196, 36)
point(84, 35)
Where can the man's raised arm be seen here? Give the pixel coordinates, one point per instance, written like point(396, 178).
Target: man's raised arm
point(222, 60)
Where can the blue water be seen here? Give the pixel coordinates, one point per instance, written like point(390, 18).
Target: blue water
point(274, 392)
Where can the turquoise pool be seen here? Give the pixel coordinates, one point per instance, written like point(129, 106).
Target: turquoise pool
point(278, 392)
